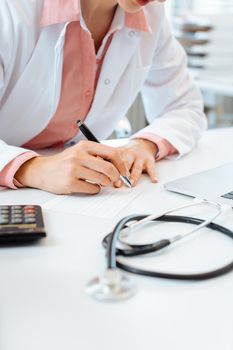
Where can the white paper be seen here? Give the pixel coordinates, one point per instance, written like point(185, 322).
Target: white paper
point(106, 204)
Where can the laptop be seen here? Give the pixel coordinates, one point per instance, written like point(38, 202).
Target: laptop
point(214, 184)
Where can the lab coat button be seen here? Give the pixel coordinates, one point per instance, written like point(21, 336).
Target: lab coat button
point(107, 81)
point(132, 33)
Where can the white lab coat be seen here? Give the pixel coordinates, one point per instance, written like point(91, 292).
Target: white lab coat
point(154, 63)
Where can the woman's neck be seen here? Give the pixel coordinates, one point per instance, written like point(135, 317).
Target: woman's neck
point(98, 16)
point(93, 8)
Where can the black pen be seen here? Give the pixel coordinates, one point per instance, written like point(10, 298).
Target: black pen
point(88, 134)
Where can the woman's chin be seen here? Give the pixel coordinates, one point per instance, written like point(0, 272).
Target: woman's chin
point(143, 2)
point(130, 6)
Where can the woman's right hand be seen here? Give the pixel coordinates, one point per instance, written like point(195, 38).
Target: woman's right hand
point(78, 169)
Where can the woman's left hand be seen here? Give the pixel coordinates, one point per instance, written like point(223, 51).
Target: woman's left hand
point(139, 155)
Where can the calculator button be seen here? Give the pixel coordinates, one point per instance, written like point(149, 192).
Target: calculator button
point(29, 207)
point(14, 211)
point(4, 216)
point(30, 220)
point(3, 221)
point(5, 207)
point(29, 211)
point(29, 215)
point(17, 216)
point(17, 207)
point(16, 221)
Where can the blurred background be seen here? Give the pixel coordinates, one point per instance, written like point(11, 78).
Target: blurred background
point(205, 30)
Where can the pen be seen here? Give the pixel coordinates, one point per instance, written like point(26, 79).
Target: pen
point(89, 135)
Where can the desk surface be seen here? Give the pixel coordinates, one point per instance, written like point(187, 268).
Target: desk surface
point(42, 300)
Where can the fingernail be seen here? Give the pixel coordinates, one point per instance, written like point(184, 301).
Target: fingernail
point(118, 183)
point(131, 181)
point(155, 179)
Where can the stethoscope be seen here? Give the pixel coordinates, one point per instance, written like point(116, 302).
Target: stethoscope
point(116, 286)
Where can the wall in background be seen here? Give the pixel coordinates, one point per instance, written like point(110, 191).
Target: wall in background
point(202, 6)
point(213, 71)
point(216, 79)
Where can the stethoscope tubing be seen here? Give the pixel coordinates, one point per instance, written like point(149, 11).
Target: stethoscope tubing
point(110, 243)
point(196, 202)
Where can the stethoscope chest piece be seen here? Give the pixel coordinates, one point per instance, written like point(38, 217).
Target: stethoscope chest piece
point(112, 286)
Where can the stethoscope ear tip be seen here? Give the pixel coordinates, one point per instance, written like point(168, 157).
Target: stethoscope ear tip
point(112, 286)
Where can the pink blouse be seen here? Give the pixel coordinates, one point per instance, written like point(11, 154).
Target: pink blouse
point(81, 69)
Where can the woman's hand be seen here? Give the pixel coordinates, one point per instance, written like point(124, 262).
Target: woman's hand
point(82, 168)
point(139, 155)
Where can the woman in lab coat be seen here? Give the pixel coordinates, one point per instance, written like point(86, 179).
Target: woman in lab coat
point(63, 60)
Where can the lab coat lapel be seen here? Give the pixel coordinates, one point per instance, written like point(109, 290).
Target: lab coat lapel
point(115, 62)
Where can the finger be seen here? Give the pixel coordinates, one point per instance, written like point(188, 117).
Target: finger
point(93, 176)
point(128, 156)
point(102, 166)
point(109, 153)
point(118, 184)
point(150, 169)
point(81, 186)
point(136, 171)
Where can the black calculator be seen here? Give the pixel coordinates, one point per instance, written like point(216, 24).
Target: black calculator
point(21, 224)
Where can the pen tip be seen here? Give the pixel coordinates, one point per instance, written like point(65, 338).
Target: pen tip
point(128, 182)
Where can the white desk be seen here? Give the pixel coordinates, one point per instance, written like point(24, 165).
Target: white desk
point(43, 305)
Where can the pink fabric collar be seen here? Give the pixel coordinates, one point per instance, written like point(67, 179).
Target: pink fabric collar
point(61, 11)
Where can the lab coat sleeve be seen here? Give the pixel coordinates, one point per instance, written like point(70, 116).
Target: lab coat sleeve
point(1, 73)
point(7, 152)
point(173, 104)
